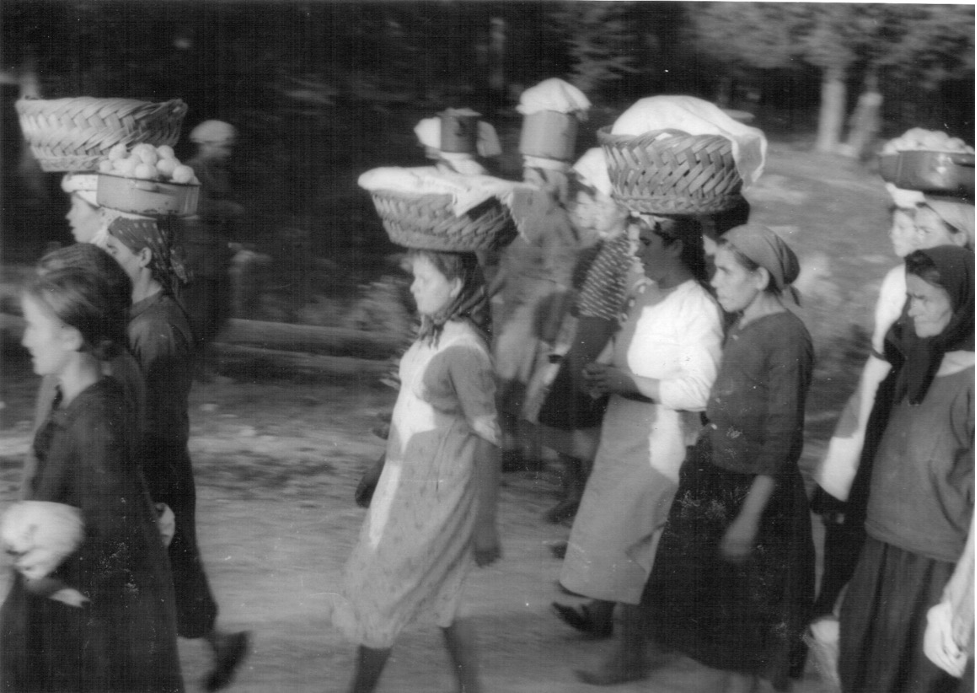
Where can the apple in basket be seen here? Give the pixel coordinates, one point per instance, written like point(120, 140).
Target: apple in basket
point(147, 180)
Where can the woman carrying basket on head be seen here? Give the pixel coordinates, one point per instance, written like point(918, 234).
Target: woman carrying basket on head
point(433, 513)
point(160, 339)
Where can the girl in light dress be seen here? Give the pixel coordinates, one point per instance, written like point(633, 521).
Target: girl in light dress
point(432, 514)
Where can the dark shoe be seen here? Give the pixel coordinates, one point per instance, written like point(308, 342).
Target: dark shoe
point(564, 510)
point(560, 586)
point(583, 620)
point(228, 655)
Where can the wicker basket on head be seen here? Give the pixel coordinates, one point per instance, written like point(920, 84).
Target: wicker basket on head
point(672, 172)
point(73, 134)
point(427, 222)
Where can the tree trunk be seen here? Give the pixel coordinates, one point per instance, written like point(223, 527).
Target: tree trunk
point(832, 114)
point(496, 64)
point(864, 123)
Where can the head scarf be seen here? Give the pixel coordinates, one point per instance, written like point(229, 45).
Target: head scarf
point(85, 185)
point(923, 355)
point(214, 132)
point(769, 251)
point(471, 304)
point(956, 213)
point(142, 232)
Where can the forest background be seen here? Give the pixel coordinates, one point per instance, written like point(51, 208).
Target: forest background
point(322, 91)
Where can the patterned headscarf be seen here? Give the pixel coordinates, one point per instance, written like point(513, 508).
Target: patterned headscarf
point(923, 355)
point(156, 234)
point(471, 304)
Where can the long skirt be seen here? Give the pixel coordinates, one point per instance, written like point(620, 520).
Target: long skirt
point(883, 620)
point(169, 477)
point(745, 617)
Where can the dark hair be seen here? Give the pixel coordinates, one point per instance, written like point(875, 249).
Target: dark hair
point(472, 301)
point(728, 219)
point(748, 263)
point(920, 264)
point(689, 231)
point(89, 258)
point(88, 303)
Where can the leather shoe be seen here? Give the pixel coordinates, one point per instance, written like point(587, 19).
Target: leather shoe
point(583, 620)
point(229, 652)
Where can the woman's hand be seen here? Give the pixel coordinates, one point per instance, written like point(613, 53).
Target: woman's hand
point(601, 379)
point(737, 543)
point(486, 542)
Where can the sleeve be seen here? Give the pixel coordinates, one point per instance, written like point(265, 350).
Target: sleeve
point(164, 358)
point(788, 367)
point(470, 371)
point(605, 285)
point(888, 308)
point(702, 335)
point(107, 505)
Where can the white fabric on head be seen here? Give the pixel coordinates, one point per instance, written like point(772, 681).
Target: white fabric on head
point(213, 132)
point(904, 199)
point(428, 132)
point(554, 95)
point(592, 168)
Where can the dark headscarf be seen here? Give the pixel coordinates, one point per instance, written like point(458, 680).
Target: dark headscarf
point(922, 356)
point(156, 234)
point(769, 251)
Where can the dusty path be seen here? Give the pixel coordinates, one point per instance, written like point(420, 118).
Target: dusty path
point(276, 463)
point(276, 467)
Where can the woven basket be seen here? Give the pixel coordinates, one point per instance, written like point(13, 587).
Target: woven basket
point(73, 134)
point(680, 174)
point(427, 222)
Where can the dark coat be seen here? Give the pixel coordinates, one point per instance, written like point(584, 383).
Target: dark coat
point(124, 638)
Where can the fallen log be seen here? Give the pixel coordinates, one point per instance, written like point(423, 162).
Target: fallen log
point(301, 343)
point(295, 361)
point(312, 339)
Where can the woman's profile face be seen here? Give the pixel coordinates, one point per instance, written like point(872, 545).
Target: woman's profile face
point(736, 286)
point(45, 337)
point(902, 233)
point(651, 252)
point(128, 260)
point(84, 219)
point(930, 306)
point(431, 290)
point(932, 231)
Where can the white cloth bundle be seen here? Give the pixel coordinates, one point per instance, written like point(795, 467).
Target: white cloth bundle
point(467, 192)
point(40, 535)
point(554, 95)
point(697, 117)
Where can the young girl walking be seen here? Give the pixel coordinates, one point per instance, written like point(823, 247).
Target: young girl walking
point(433, 512)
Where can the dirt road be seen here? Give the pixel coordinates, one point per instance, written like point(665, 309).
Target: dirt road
point(276, 463)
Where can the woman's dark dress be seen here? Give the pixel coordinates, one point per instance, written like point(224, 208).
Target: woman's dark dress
point(159, 338)
point(746, 617)
point(124, 638)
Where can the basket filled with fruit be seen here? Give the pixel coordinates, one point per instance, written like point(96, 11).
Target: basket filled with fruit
point(146, 180)
point(73, 134)
point(930, 161)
